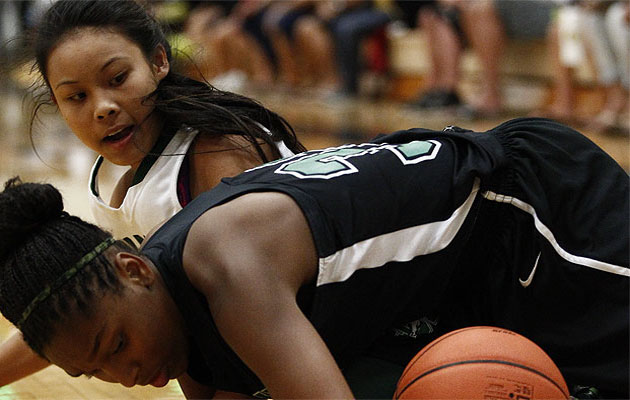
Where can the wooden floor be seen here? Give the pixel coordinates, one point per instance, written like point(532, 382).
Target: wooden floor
point(65, 163)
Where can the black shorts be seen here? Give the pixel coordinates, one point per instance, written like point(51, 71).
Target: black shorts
point(555, 268)
point(547, 258)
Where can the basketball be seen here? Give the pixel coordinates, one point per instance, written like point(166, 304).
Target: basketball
point(481, 362)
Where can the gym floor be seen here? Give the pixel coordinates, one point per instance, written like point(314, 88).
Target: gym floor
point(64, 162)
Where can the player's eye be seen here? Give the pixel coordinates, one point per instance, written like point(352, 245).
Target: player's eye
point(77, 96)
point(118, 79)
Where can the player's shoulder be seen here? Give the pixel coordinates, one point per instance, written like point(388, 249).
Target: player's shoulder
point(233, 238)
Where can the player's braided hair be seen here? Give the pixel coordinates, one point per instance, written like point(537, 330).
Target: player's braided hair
point(39, 242)
point(180, 99)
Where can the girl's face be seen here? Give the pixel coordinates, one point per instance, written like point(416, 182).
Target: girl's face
point(136, 337)
point(99, 80)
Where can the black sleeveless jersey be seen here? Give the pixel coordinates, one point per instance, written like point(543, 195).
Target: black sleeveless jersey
point(401, 228)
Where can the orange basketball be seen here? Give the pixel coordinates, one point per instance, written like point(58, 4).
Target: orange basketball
point(481, 362)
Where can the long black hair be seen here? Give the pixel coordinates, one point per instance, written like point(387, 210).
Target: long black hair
point(180, 99)
point(39, 243)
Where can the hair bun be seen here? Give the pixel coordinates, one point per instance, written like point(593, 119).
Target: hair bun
point(24, 209)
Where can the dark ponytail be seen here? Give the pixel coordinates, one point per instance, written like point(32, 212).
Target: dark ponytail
point(39, 243)
point(212, 111)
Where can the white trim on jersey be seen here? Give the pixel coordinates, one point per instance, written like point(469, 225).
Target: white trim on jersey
point(282, 147)
point(546, 232)
point(284, 150)
point(379, 250)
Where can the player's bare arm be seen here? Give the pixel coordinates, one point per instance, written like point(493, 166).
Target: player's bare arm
point(251, 285)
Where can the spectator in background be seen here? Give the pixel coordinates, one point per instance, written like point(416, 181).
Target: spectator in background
point(202, 24)
point(441, 24)
point(278, 26)
point(304, 50)
point(317, 50)
point(567, 52)
point(235, 47)
point(484, 25)
point(350, 23)
point(607, 32)
point(249, 16)
point(598, 31)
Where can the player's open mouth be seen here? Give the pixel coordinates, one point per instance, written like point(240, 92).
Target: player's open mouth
point(120, 135)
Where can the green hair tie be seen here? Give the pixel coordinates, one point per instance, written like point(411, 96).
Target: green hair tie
point(66, 276)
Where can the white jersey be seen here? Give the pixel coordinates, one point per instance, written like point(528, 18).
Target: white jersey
point(152, 200)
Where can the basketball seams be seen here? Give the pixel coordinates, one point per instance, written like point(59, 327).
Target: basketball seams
point(490, 360)
point(430, 346)
point(441, 367)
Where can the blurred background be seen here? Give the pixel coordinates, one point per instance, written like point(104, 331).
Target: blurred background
point(344, 71)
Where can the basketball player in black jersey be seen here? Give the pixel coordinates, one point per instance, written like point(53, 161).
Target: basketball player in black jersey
point(322, 274)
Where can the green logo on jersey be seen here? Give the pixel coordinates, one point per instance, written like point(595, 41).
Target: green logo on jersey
point(333, 162)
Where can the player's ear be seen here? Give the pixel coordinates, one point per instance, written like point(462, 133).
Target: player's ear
point(159, 62)
point(134, 269)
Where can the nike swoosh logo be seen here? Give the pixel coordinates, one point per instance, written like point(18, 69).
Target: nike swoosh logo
point(525, 283)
